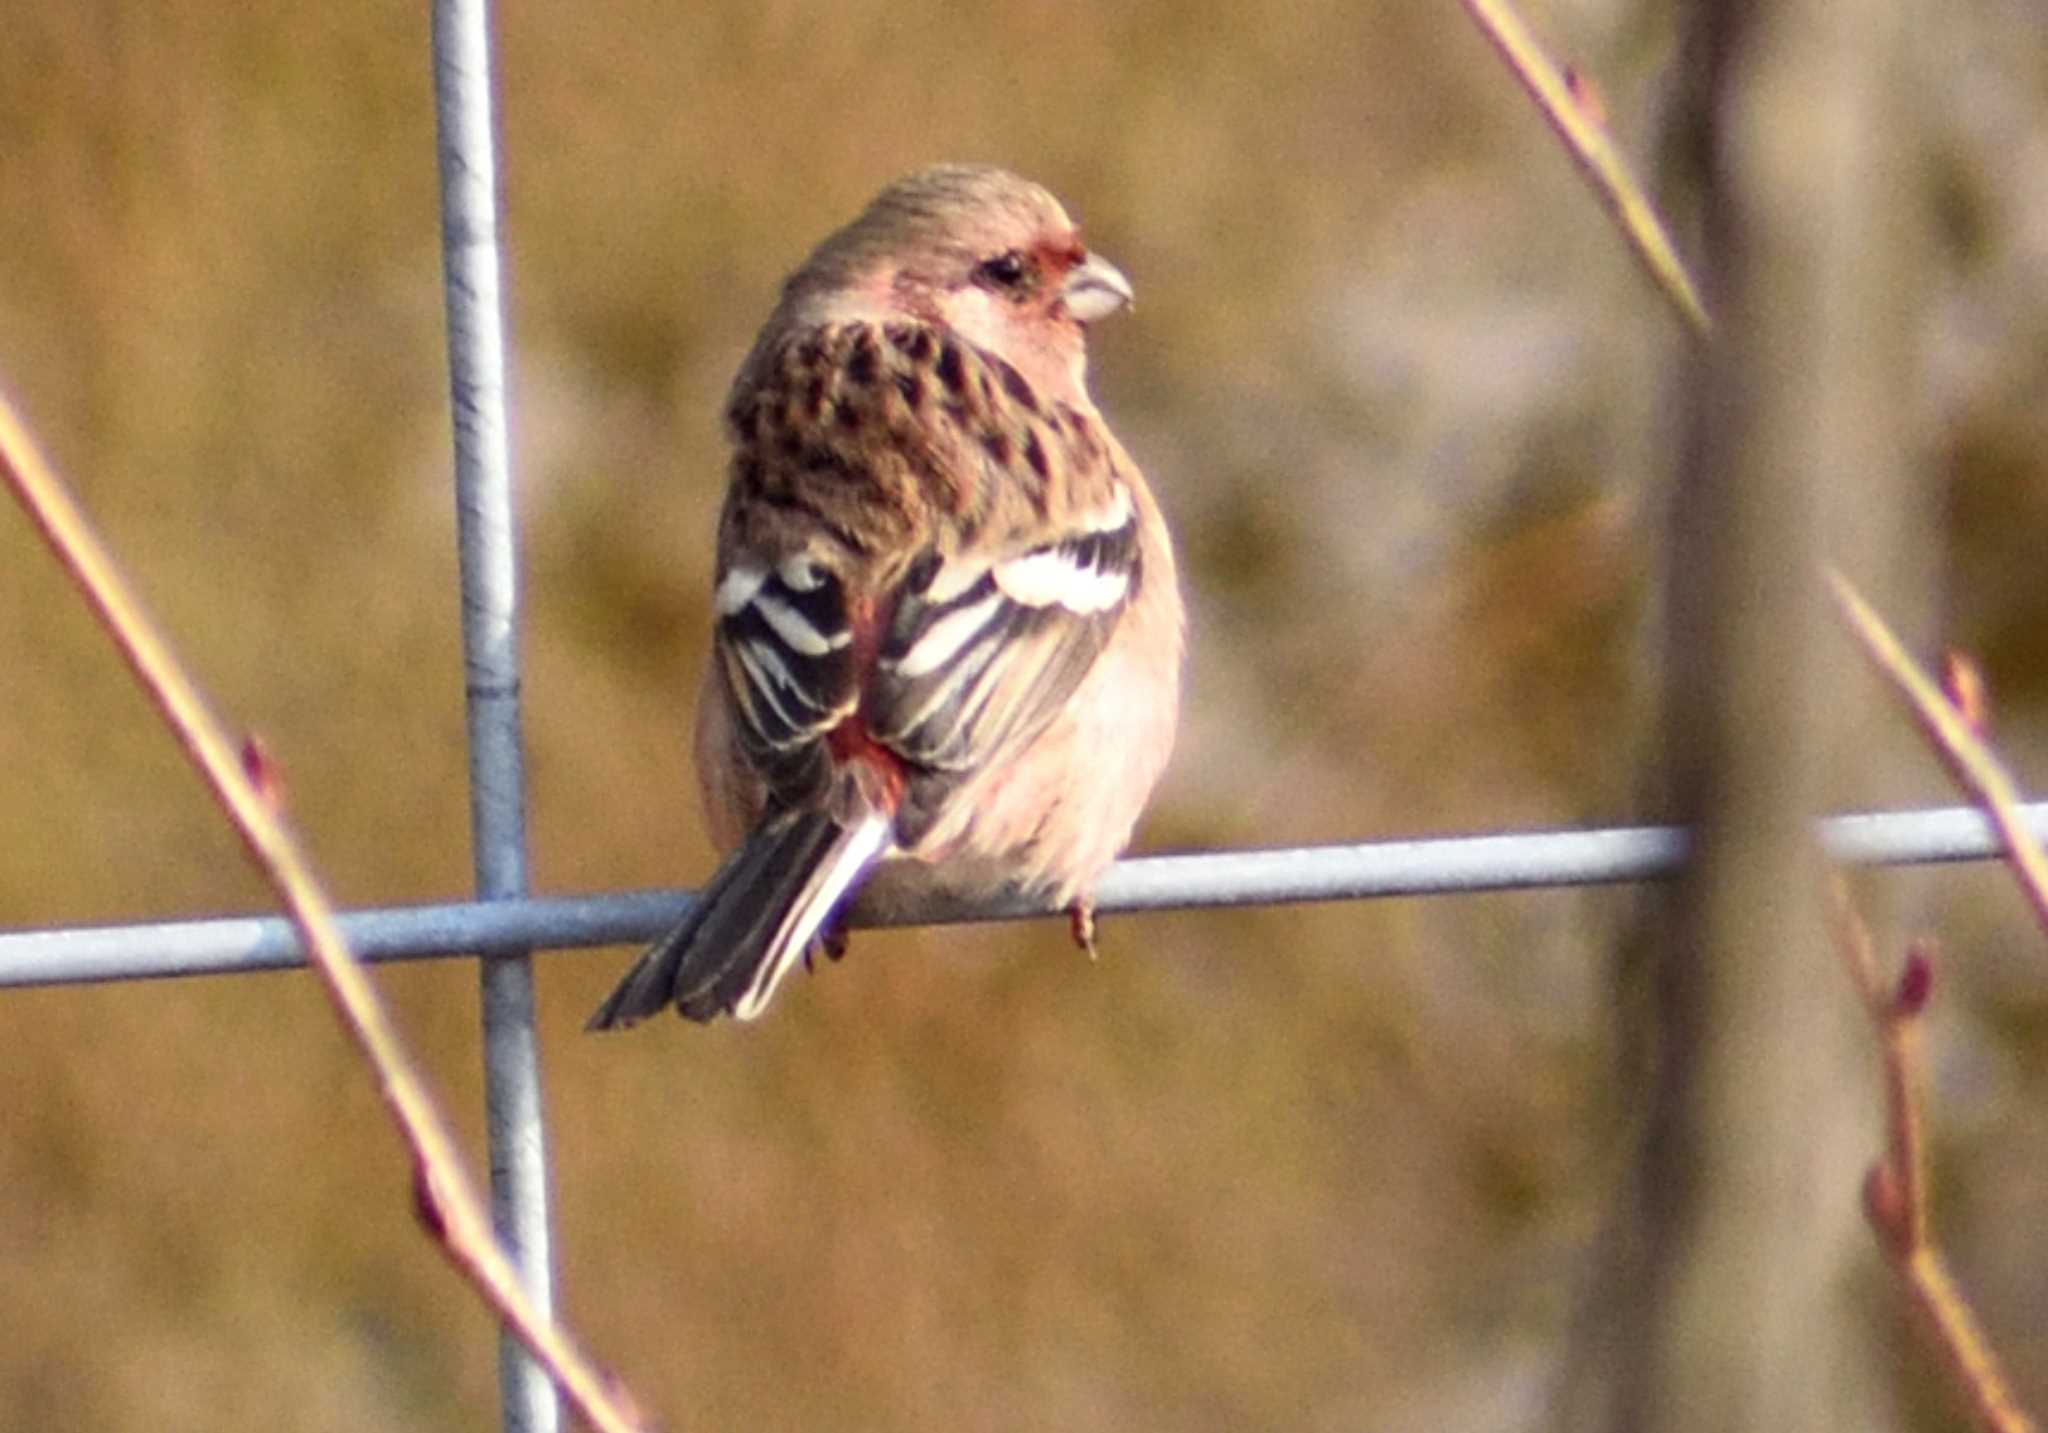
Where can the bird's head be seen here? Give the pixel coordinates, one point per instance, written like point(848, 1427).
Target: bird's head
point(990, 255)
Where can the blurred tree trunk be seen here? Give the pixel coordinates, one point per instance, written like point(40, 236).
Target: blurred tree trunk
point(1726, 1300)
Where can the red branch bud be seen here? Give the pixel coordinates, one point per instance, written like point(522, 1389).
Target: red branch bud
point(1963, 682)
point(1884, 1204)
point(262, 772)
point(1916, 981)
point(1586, 96)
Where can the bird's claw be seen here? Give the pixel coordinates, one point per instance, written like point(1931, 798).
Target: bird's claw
point(832, 941)
point(1081, 919)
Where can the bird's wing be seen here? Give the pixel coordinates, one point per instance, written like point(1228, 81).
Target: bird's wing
point(982, 651)
point(922, 558)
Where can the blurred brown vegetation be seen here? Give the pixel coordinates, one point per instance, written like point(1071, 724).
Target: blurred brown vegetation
point(1408, 403)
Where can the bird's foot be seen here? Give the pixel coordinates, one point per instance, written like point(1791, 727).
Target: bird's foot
point(832, 941)
point(1081, 919)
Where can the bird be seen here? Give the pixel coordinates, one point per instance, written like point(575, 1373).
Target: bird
point(948, 625)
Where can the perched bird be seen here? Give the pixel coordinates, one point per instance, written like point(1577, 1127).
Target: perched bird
point(949, 629)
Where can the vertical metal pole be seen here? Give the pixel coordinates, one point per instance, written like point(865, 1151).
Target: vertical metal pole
point(490, 642)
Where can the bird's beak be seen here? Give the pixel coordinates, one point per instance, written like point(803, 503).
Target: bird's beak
point(1096, 288)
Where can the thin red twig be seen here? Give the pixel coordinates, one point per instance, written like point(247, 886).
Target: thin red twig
point(242, 779)
point(1896, 1193)
point(1579, 120)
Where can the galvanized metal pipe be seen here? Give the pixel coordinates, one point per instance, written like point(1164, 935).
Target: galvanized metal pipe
point(490, 643)
point(1450, 865)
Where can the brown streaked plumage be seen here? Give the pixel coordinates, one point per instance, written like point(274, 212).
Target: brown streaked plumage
point(949, 625)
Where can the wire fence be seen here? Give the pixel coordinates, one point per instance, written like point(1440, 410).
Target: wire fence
point(472, 268)
point(510, 926)
point(505, 923)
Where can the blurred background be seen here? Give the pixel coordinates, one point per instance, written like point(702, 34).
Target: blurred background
point(1409, 405)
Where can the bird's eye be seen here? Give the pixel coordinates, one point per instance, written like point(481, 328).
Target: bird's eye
point(1004, 271)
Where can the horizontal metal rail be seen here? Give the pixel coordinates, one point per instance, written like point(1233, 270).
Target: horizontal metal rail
point(1440, 866)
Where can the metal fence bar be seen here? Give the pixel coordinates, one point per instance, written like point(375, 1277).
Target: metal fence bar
point(1444, 866)
point(490, 644)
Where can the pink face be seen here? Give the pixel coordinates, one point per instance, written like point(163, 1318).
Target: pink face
point(993, 257)
point(1028, 295)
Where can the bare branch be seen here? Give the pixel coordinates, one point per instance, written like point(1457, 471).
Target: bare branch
point(1578, 120)
point(1955, 731)
point(1895, 1192)
point(243, 780)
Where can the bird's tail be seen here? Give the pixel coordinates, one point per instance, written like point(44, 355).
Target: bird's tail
point(755, 920)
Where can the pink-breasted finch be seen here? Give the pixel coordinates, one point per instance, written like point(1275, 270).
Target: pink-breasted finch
point(948, 627)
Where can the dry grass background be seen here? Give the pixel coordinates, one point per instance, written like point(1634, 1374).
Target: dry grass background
point(1404, 395)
